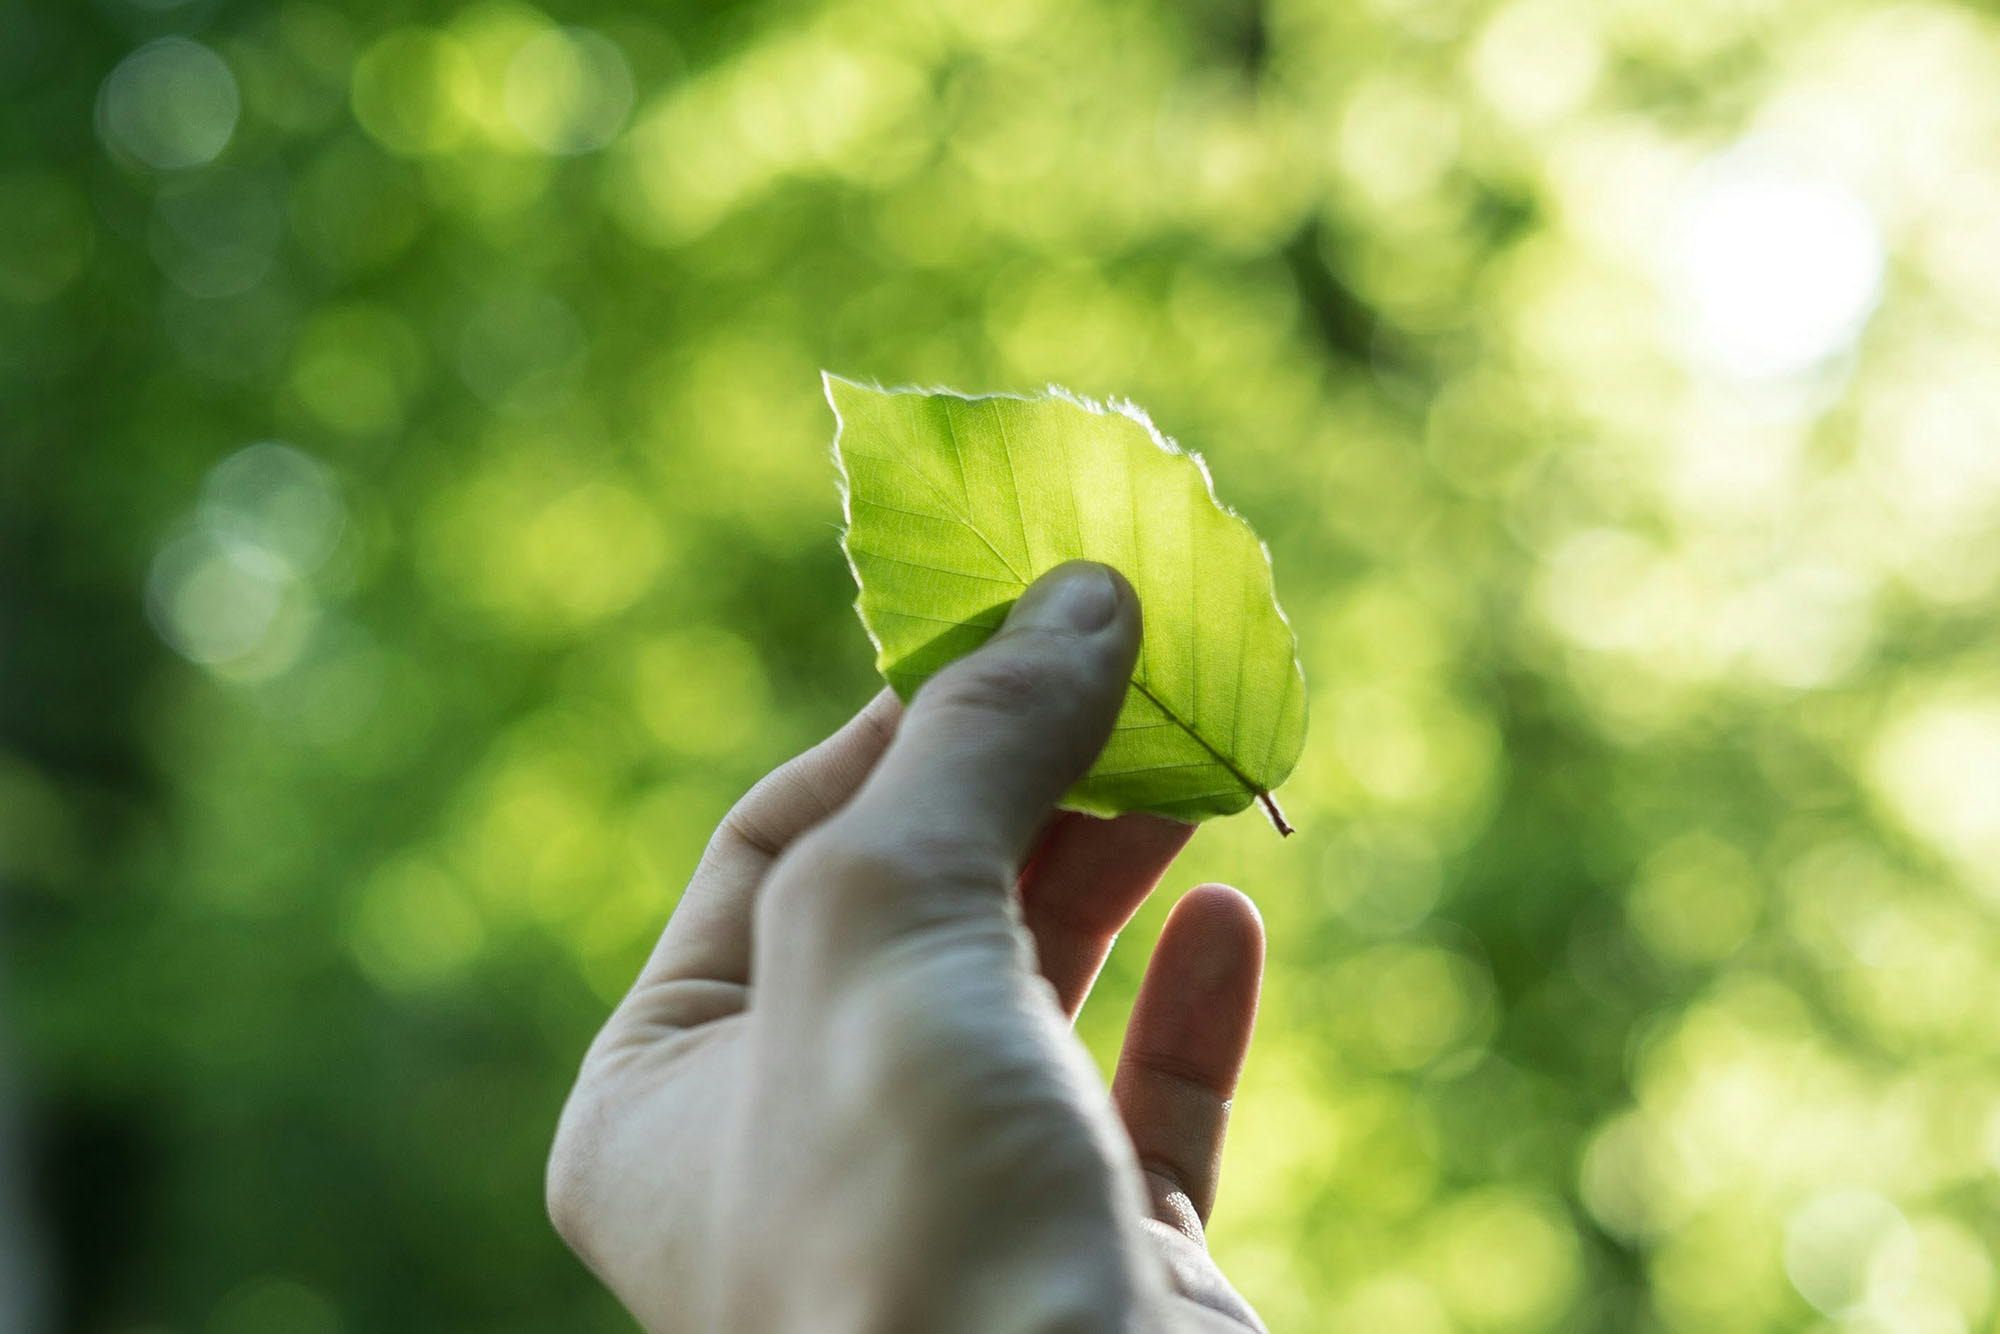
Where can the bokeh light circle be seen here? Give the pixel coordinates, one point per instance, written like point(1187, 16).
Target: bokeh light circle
point(278, 499)
point(415, 91)
point(1842, 1243)
point(170, 105)
point(569, 90)
point(215, 600)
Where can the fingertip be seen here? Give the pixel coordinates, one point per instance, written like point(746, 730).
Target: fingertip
point(1128, 596)
point(1079, 596)
point(1096, 607)
point(1131, 616)
point(1197, 1004)
point(1214, 936)
point(1223, 907)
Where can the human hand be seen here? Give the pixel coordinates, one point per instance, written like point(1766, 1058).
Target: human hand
point(843, 1094)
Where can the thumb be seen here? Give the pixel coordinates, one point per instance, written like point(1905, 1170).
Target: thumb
point(992, 741)
point(985, 750)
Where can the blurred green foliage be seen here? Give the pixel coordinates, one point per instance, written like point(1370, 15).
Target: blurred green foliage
point(417, 526)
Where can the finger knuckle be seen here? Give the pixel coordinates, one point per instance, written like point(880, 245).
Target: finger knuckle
point(860, 863)
point(851, 887)
point(1000, 687)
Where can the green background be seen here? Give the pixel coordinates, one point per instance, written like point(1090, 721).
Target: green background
point(417, 525)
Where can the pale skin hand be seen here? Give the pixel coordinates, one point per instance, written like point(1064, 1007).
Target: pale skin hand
point(843, 1094)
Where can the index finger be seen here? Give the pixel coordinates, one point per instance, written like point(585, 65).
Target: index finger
point(707, 940)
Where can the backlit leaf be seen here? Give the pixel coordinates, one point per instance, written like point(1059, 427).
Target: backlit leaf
point(956, 504)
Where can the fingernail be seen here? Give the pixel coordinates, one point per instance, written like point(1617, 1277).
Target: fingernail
point(1079, 596)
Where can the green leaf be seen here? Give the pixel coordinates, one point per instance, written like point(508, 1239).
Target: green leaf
point(956, 504)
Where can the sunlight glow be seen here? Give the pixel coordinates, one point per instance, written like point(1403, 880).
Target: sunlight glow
point(1938, 768)
point(1773, 271)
